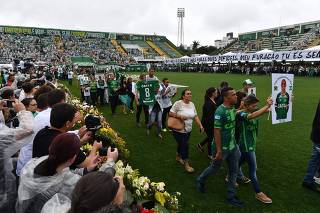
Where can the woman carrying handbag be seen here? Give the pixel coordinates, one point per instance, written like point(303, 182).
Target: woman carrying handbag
point(182, 114)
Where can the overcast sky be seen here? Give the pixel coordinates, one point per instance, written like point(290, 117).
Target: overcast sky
point(205, 21)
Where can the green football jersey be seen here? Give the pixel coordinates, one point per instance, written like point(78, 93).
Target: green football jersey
point(93, 86)
point(225, 120)
point(147, 91)
point(112, 85)
point(282, 106)
point(248, 132)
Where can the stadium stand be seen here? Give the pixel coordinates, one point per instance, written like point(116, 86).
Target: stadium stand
point(58, 46)
point(291, 37)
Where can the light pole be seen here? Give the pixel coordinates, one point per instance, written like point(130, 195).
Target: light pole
point(180, 15)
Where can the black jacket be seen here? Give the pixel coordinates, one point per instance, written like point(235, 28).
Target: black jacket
point(208, 110)
point(315, 133)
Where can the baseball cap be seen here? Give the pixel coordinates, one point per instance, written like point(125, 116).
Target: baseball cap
point(247, 81)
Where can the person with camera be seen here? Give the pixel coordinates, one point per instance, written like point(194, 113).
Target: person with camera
point(11, 140)
point(41, 120)
point(42, 178)
point(62, 119)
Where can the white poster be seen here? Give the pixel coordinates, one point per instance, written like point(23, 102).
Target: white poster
point(282, 88)
point(252, 91)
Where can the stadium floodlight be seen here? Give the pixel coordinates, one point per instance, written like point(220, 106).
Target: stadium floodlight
point(180, 16)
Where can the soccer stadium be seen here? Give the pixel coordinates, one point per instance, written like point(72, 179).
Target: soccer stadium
point(98, 121)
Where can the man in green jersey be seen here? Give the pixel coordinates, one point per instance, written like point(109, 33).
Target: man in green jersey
point(140, 104)
point(93, 90)
point(226, 147)
point(282, 102)
point(101, 87)
point(113, 87)
point(248, 139)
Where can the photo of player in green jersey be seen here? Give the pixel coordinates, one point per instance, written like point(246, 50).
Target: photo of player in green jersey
point(282, 102)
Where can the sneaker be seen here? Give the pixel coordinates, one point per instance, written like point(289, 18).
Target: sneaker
point(200, 186)
point(164, 130)
point(200, 147)
point(312, 186)
point(263, 197)
point(188, 168)
point(227, 181)
point(244, 180)
point(235, 202)
point(179, 159)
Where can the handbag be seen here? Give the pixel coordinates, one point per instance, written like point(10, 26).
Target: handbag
point(175, 123)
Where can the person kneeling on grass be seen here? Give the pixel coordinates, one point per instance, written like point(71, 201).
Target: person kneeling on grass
point(248, 138)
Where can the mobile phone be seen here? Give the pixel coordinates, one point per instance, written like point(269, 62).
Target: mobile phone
point(9, 104)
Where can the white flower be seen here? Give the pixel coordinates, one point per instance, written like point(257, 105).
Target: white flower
point(146, 186)
point(138, 192)
point(160, 186)
point(119, 163)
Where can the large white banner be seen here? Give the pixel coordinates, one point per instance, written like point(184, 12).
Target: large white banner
point(312, 55)
point(282, 88)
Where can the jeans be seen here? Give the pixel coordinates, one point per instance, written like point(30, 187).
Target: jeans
point(113, 102)
point(93, 96)
point(208, 139)
point(101, 95)
point(182, 140)
point(156, 114)
point(250, 158)
point(164, 116)
point(313, 165)
point(146, 113)
point(232, 158)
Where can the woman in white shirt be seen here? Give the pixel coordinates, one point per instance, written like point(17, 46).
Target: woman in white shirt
point(184, 110)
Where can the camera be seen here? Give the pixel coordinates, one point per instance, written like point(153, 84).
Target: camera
point(93, 124)
point(8, 103)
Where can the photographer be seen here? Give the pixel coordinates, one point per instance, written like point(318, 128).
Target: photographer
point(11, 140)
point(42, 178)
point(62, 119)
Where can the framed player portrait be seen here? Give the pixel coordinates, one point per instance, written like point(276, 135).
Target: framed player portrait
point(282, 88)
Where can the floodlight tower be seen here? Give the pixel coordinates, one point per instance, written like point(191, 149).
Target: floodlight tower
point(180, 15)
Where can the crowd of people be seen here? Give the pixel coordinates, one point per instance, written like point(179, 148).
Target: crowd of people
point(307, 70)
point(57, 50)
point(44, 169)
